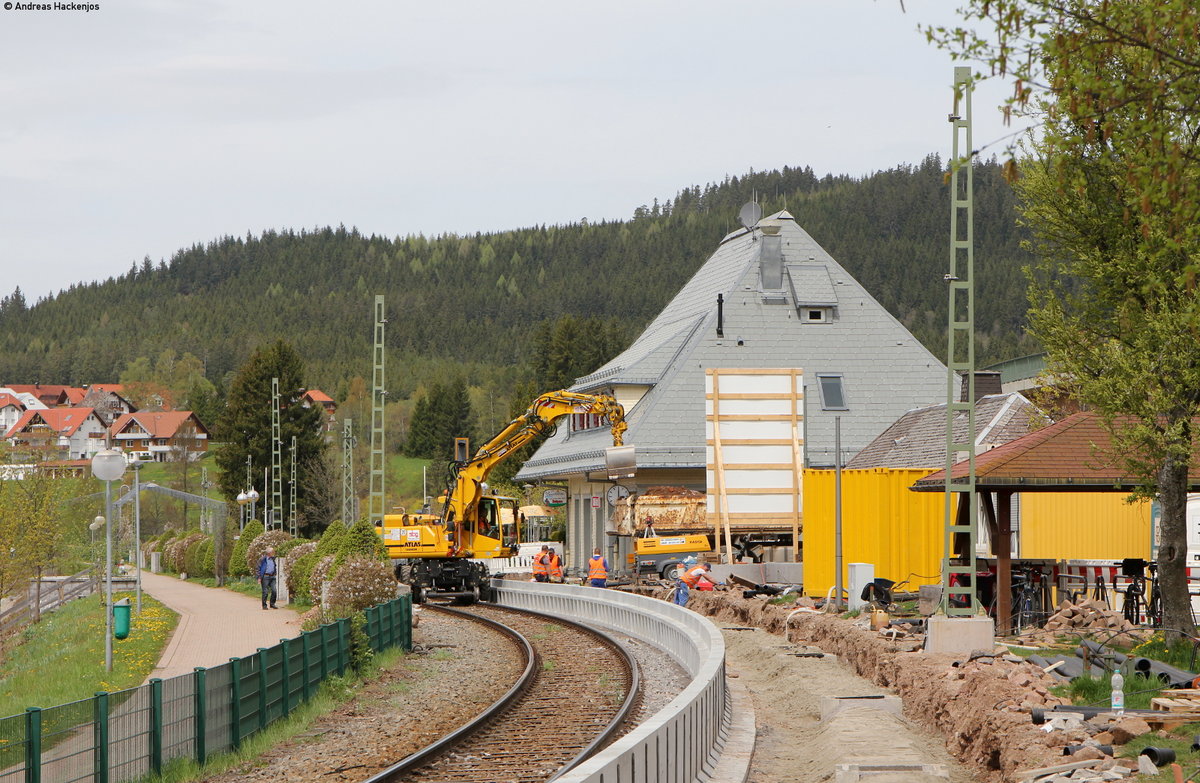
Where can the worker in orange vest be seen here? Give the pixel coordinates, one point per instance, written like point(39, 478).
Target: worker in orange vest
point(555, 566)
point(541, 565)
point(597, 569)
point(689, 579)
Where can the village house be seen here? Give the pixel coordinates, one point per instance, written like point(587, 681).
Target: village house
point(58, 433)
point(319, 398)
point(769, 297)
point(162, 436)
point(107, 401)
point(11, 409)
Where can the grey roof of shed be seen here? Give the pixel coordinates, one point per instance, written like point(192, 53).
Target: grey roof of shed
point(886, 371)
point(918, 438)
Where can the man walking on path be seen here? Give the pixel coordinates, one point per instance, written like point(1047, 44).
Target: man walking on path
point(214, 625)
point(267, 569)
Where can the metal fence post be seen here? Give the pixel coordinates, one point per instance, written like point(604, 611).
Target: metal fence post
point(262, 688)
point(283, 646)
point(100, 722)
point(343, 649)
point(200, 703)
point(156, 724)
point(235, 708)
point(33, 745)
point(324, 654)
point(304, 637)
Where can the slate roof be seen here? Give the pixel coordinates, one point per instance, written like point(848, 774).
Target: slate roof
point(918, 438)
point(1073, 454)
point(885, 370)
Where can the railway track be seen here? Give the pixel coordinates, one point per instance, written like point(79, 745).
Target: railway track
point(577, 690)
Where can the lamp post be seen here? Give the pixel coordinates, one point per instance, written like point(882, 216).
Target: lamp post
point(137, 464)
point(252, 496)
point(108, 466)
point(242, 500)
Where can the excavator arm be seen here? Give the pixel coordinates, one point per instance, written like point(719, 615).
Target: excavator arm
point(468, 476)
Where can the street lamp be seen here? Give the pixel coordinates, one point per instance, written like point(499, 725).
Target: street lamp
point(252, 496)
point(108, 466)
point(137, 464)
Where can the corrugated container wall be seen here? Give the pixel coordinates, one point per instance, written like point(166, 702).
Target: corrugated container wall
point(1084, 526)
point(883, 522)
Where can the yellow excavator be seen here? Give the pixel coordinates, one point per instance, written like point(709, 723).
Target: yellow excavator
point(437, 554)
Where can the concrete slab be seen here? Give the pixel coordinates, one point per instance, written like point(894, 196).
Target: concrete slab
point(890, 773)
point(961, 635)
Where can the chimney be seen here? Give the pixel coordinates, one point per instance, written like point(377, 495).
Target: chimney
point(720, 315)
point(986, 382)
point(770, 261)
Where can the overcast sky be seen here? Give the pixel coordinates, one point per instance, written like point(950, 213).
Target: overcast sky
point(143, 127)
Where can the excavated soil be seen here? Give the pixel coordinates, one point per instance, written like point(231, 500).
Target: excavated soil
point(980, 707)
point(421, 697)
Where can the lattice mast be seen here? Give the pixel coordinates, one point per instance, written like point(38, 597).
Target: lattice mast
point(276, 510)
point(378, 395)
point(348, 515)
point(960, 353)
point(293, 527)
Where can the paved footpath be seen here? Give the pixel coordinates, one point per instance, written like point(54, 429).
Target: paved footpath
point(214, 624)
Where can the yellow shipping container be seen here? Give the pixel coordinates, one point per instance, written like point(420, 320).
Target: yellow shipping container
point(1084, 526)
point(883, 522)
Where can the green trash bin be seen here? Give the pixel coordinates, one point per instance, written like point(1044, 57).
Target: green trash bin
point(121, 612)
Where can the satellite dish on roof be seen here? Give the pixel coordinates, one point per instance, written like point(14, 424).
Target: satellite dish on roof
point(750, 215)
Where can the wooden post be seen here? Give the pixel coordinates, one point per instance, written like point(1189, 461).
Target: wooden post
point(797, 468)
point(1002, 545)
point(719, 472)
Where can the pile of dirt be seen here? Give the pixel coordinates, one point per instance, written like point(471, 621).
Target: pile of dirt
point(981, 706)
point(1087, 615)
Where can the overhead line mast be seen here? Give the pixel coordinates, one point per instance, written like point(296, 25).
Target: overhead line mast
point(960, 357)
point(378, 394)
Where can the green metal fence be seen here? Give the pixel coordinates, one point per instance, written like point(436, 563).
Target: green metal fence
point(126, 735)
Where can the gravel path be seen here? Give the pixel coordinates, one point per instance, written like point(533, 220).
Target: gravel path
point(793, 746)
point(462, 670)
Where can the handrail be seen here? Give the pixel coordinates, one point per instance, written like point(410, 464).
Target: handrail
point(682, 740)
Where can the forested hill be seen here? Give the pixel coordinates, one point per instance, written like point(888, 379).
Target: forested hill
point(472, 300)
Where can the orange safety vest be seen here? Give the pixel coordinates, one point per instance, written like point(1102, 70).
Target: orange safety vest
point(596, 568)
point(692, 576)
point(539, 564)
point(555, 566)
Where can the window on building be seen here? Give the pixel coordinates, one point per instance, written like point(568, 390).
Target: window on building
point(816, 315)
point(587, 421)
point(833, 396)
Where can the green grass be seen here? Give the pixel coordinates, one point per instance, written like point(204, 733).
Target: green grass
point(61, 659)
point(333, 693)
point(404, 480)
point(1180, 741)
point(1097, 691)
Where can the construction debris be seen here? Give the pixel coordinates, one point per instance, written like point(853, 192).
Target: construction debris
point(1088, 615)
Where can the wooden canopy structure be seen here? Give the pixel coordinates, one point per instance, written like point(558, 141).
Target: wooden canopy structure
point(1073, 455)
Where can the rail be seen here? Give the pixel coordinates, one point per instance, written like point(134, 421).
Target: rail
point(681, 742)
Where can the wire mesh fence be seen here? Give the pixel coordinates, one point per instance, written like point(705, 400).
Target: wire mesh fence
point(126, 735)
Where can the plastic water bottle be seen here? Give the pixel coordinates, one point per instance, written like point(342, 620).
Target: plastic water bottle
point(1118, 693)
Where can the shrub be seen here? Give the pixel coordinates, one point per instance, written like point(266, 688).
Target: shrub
point(330, 540)
point(282, 550)
point(300, 573)
point(360, 541)
point(319, 574)
point(258, 547)
point(289, 565)
point(208, 559)
point(360, 583)
point(177, 552)
point(359, 643)
point(237, 558)
point(193, 562)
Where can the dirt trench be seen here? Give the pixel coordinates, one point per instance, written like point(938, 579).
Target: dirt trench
point(980, 707)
